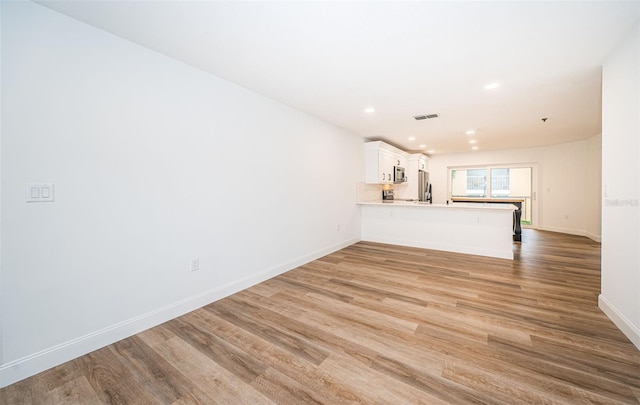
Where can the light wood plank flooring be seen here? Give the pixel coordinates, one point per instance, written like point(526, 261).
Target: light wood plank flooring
point(377, 324)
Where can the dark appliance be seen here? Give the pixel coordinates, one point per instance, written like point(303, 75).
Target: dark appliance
point(387, 196)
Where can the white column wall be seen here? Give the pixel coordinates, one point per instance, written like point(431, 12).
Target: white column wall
point(154, 163)
point(620, 297)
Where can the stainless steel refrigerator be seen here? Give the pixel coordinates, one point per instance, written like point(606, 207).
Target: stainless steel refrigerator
point(424, 187)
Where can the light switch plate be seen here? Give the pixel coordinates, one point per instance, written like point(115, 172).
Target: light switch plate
point(39, 192)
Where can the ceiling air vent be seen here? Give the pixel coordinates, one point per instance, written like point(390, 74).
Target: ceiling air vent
point(425, 117)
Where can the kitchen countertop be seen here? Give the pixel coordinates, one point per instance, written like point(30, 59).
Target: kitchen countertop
point(475, 206)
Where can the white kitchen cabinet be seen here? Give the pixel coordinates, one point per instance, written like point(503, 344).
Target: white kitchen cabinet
point(422, 162)
point(380, 160)
point(386, 161)
point(400, 160)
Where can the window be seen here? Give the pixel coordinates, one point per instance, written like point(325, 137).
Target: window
point(468, 182)
point(500, 182)
point(476, 182)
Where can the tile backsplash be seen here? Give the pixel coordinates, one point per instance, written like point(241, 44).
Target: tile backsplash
point(368, 192)
point(373, 192)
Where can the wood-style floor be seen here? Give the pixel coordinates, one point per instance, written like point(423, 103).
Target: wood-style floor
point(378, 324)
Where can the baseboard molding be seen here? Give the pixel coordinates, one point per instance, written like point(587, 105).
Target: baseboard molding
point(569, 231)
point(35, 363)
point(593, 237)
point(621, 321)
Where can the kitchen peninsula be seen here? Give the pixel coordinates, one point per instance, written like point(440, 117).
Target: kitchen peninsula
point(471, 228)
point(517, 214)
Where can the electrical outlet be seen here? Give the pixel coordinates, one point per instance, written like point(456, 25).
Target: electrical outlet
point(195, 264)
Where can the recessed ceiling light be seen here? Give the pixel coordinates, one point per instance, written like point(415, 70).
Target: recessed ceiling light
point(474, 147)
point(422, 146)
point(430, 151)
point(369, 110)
point(470, 132)
point(492, 86)
point(472, 141)
point(412, 138)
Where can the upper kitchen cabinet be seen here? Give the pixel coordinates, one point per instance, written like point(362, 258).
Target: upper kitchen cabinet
point(380, 162)
point(386, 161)
point(422, 161)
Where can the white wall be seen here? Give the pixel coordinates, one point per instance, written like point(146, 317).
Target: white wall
point(563, 182)
point(154, 163)
point(620, 297)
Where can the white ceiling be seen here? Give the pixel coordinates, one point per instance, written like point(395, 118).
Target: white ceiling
point(332, 59)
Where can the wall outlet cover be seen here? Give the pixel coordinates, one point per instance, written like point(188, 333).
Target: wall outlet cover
point(195, 264)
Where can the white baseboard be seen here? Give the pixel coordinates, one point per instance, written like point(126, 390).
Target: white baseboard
point(35, 363)
point(569, 231)
point(593, 237)
point(622, 322)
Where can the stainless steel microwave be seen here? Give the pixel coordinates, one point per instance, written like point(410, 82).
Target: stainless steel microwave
point(398, 174)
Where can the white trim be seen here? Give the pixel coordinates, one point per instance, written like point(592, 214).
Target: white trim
point(593, 237)
point(32, 364)
point(621, 321)
point(571, 231)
